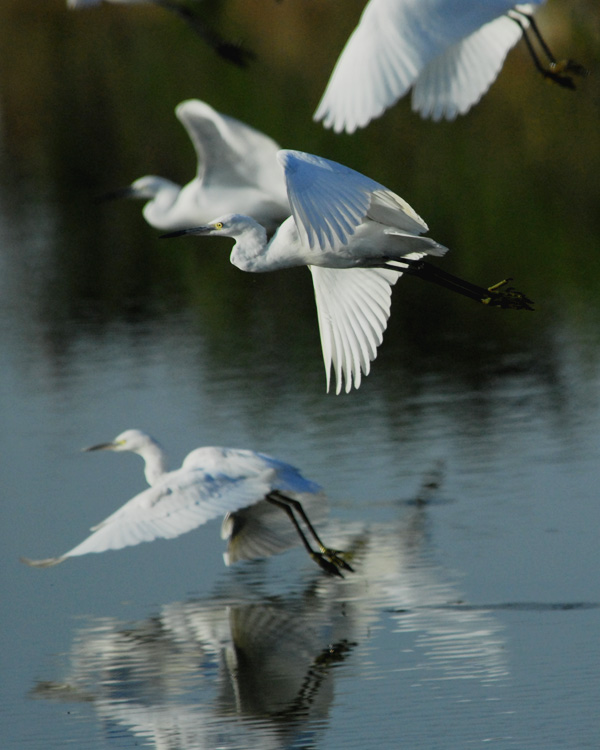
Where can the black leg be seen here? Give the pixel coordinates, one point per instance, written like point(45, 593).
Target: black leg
point(328, 559)
point(554, 73)
point(229, 51)
point(495, 296)
point(329, 553)
point(536, 30)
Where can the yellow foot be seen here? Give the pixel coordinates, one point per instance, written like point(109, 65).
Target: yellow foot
point(569, 66)
point(509, 298)
point(337, 558)
point(565, 81)
point(561, 72)
point(331, 561)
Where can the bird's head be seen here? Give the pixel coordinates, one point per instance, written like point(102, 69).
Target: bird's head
point(150, 186)
point(230, 225)
point(130, 440)
point(146, 188)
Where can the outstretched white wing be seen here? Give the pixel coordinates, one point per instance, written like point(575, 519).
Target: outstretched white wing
point(393, 42)
point(457, 79)
point(211, 483)
point(185, 500)
point(353, 307)
point(230, 151)
point(329, 201)
point(264, 529)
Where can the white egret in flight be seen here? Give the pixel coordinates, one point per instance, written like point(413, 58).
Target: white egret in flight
point(229, 51)
point(357, 237)
point(237, 171)
point(211, 482)
point(448, 51)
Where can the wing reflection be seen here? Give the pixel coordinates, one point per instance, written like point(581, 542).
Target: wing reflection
point(258, 670)
point(184, 679)
point(416, 592)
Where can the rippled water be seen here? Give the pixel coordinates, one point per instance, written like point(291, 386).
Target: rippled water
point(472, 615)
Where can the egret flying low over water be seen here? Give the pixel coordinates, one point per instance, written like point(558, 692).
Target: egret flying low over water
point(229, 51)
point(448, 52)
point(357, 237)
point(237, 171)
point(210, 483)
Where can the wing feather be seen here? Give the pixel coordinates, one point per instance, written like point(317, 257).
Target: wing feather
point(187, 500)
point(329, 201)
point(457, 79)
point(353, 307)
point(212, 482)
point(394, 41)
point(264, 529)
point(231, 150)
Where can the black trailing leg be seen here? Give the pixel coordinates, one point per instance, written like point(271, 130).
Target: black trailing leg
point(330, 560)
point(498, 295)
point(229, 51)
point(556, 70)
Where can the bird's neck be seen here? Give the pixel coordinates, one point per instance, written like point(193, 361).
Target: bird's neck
point(160, 203)
point(155, 460)
point(252, 253)
point(249, 249)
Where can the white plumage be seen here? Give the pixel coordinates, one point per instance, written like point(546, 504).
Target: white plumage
point(211, 482)
point(448, 51)
point(237, 170)
point(357, 237)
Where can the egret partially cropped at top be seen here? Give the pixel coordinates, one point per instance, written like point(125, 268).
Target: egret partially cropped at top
point(237, 171)
point(449, 52)
point(229, 51)
point(211, 482)
point(357, 237)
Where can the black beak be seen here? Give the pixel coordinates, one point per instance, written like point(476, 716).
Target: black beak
point(118, 194)
point(99, 447)
point(183, 232)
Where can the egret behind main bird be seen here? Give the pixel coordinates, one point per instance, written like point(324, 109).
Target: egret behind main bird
point(357, 237)
point(237, 170)
point(448, 51)
point(210, 483)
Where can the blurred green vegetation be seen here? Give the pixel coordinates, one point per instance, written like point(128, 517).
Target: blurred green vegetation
point(86, 105)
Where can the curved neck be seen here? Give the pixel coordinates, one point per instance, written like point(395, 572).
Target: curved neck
point(155, 460)
point(160, 203)
point(252, 253)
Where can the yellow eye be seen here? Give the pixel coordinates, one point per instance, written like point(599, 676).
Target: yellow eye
point(218, 225)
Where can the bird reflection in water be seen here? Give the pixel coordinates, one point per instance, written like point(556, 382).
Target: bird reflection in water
point(187, 676)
